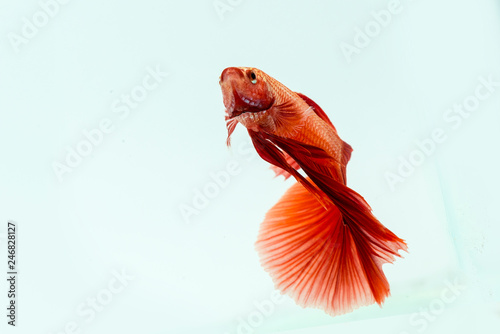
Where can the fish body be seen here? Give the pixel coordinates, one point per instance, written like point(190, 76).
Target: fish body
point(320, 243)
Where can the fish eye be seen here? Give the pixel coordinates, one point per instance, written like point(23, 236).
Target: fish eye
point(253, 77)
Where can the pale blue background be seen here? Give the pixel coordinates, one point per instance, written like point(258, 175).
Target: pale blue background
point(121, 207)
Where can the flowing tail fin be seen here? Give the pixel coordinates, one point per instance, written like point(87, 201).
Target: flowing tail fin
point(326, 258)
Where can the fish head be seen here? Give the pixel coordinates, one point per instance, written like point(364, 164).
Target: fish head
point(246, 92)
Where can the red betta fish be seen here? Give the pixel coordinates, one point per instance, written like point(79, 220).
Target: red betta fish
point(320, 243)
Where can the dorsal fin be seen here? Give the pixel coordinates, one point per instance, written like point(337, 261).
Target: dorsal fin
point(347, 149)
point(317, 109)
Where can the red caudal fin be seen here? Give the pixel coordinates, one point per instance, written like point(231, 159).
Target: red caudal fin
point(321, 260)
point(320, 243)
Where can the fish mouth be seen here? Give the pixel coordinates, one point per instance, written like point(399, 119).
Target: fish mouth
point(241, 95)
point(244, 105)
